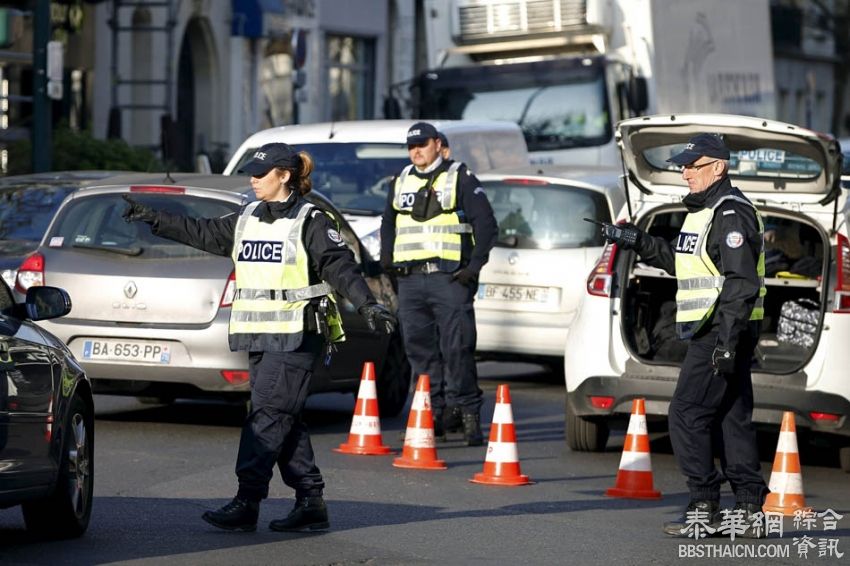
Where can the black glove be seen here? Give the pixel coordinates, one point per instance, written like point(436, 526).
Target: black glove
point(138, 212)
point(465, 276)
point(723, 360)
point(627, 236)
point(379, 318)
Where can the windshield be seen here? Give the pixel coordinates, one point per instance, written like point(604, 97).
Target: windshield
point(25, 211)
point(354, 176)
point(755, 162)
point(558, 104)
point(543, 216)
point(95, 223)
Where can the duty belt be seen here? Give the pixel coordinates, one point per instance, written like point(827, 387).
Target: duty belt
point(289, 295)
point(426, 267)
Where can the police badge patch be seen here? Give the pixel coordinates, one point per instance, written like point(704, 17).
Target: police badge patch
point(334, 236)
point(734, 240)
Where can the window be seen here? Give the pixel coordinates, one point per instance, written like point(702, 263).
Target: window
point(351, 63)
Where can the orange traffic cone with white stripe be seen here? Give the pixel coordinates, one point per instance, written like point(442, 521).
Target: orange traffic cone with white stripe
point(634, 479)
point(419, 450)
point(364, 437)
point(501, 465)
point(786, 479)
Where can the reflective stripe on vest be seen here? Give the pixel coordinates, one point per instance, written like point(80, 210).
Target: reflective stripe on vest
point(272, 277)
point(437, 238)
point(699, 280)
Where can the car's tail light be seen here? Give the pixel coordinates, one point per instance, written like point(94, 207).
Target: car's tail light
point(600, 278)
point(824, 417)
point(842, 283)
point(601, 402)
point(235, 376)
point(229, 291)
point(157, 189)
point(31, 273)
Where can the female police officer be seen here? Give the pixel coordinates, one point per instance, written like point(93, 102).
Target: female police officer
point(288, 256)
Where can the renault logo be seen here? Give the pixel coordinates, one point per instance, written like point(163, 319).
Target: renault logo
point(513, 258)
point(130, 290)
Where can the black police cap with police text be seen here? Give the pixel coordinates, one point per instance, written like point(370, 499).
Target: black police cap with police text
point(421, 132)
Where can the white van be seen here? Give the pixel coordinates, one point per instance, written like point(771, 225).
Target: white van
point(622, 344)
point(355, 161)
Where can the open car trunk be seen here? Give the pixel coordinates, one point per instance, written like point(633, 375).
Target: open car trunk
point(796, 254)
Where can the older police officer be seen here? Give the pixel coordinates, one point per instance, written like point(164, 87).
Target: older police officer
point(718, 260)
point(288, 257)
point(437, 232)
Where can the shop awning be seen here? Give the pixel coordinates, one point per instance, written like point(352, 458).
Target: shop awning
point(258, 18)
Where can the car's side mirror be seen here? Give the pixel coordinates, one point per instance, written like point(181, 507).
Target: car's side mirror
point(44, 303)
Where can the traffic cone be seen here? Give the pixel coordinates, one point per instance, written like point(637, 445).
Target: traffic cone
point(364, 437)
point(419, 451)
point(634, 479)
point(501, 465)
point(786, 480)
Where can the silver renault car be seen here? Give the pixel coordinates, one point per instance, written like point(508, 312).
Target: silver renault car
point(150, 315)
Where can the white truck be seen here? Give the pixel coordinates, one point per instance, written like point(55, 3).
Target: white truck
point(568, 70)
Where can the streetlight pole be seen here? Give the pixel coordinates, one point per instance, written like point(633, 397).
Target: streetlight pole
point(42, 119)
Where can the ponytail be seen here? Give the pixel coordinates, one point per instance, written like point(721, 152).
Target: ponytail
point(301, 179)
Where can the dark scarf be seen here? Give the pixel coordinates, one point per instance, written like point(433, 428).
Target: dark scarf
point(698, 201)
point(268, 212)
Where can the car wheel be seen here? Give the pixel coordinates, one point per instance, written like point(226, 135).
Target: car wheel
point(584, 434)
point(393, 383)
point(65, 513)
point(844, 457)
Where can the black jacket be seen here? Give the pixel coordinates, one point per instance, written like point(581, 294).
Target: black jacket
point(472, 205)
point(330, 258)
point(737, 264)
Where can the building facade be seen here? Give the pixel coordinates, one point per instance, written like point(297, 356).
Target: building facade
point(205, 74)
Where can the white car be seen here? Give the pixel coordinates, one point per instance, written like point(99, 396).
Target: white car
point(355, 161)
point(622, 344)
point(529, 291)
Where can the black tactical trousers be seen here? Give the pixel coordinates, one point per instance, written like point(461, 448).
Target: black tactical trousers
point(712, 414)
point(438, 326)
point(273, 432)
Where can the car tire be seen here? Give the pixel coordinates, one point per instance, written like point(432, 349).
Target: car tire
point(584, 434)
point(65, 513)
point(844, 458)
point(393, 383)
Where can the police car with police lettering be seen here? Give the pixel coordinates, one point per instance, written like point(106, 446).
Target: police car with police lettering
point(622, 343)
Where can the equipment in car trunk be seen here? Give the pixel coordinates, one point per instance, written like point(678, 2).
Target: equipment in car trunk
point(798, 322)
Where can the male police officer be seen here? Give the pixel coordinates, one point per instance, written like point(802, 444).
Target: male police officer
point(718, 261)
point(445, 150)
point(437, 232)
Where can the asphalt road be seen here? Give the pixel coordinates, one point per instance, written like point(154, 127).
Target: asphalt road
point(159, 468)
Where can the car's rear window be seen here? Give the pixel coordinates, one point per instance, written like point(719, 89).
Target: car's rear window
point(754, 162)
point(95, 223)
point(354, 176)
point(545, 216)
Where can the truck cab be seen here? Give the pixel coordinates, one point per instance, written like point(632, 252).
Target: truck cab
point(567, 71)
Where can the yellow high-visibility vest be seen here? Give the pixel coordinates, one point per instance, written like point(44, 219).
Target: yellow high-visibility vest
point(699, 280)
point(438, 238)
point(273, 281)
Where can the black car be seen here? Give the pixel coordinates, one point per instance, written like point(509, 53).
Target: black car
point(27, 204)
point(46, 418)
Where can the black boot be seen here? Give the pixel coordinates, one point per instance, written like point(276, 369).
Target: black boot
point(684, 527)
point(472, 429)
point(453, 419)
point(439, 428)
point(755, 523)
point(309, 514)
point(238, 515)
